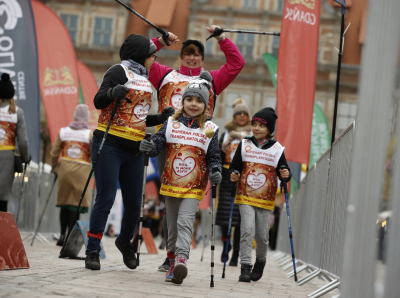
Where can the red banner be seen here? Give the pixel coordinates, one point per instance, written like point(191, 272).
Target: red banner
point(58, 77)
point(297, 68)
point(89, 89)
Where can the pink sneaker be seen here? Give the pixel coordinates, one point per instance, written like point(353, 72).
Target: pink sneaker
point(180, 270)
point(170, 273)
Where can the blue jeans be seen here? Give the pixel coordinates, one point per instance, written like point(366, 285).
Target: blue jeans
point(116, 164)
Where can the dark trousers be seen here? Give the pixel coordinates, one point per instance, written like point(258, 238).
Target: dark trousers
point(236, 236)
point(3, 206)
point(116, 164)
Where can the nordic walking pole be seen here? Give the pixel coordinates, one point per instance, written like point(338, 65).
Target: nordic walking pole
point(44, 209)
point(146, 163)
point(205, 237)
point(114, 111)
point(21, 192)
point(219, 31)
point(163, 33)
point(283, 184)
point(214, 196)
point(233, 194)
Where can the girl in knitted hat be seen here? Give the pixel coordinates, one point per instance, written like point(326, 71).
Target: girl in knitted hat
point(73, 143)
point(260, 160)
point(12, 133)
point(192, 159)
point(237, 129)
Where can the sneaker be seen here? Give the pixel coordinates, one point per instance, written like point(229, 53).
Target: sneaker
point(165, 266)
point(170, 273)
point(245, 273)
point(128, 254)
point(180, 271)
point(234, 258)
point(92, 260)
point(60, 241)
point(257, 271)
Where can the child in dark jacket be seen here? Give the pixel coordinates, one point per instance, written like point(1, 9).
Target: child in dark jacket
point(192, 159)
point(259, 160)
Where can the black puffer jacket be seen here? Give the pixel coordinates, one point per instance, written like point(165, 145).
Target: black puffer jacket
point(224, 197)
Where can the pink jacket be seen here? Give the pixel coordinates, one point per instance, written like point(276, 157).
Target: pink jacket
point(222, 77)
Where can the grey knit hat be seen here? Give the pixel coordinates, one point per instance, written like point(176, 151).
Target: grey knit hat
point(153, 47)
point(242, 107)
point(199, 87)
point(81, 113)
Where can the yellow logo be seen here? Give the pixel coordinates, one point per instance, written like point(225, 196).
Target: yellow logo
point(307, 3)
point(60, 76)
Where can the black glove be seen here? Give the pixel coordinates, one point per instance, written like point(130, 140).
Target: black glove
point(28, 160)
point(118, 92)
point(166, 113)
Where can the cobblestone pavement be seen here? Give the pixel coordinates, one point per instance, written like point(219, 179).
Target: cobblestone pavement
point(50, 276)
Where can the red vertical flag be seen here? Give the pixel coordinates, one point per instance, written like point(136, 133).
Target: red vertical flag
point(58, 77)
point(89, 90)
point(297, 68)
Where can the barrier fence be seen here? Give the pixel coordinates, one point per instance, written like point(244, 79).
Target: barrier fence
point(318, 211)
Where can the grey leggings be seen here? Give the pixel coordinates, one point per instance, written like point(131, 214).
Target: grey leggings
point(254, 224)
point(180, 219)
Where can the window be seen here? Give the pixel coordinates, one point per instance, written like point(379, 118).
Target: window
point(275, 45)
point(279, 5)
point(208, 48)
point(102, 31)
point(346, 115)
point(250, 4)
point(71, 22)
point(245, 44)
point(270, 102)
point(231, 96)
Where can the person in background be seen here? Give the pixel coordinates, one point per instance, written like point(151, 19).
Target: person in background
point(12, 133)
point(73, 143)
point(237, 129)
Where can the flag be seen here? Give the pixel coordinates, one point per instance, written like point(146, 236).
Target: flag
point(58, 77)
point(297, 67)
point(320, 135)
point(342, 3)
point(272, 63)
point(18, 58)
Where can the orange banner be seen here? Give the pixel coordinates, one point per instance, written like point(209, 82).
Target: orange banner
point(297, 68)
point(89, 89)
point(58, 77)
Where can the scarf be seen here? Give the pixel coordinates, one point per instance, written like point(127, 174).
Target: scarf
point(137, 68)
point(79, 124)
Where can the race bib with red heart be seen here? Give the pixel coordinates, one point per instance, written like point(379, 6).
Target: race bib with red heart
point(185, 173)
point(75, 145)
point(171, 90)
point(130, 120)
point(258, 181)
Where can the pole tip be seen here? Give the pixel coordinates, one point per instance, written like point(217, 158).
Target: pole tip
point(223, 274)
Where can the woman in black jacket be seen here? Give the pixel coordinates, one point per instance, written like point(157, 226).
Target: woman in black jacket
point(237, 129)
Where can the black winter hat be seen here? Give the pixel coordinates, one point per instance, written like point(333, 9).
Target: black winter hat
point(7, 89)
point(196, 43)
point(266, 116)
point(135, 47)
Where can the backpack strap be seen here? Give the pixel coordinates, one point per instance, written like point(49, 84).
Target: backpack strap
point(159, 83)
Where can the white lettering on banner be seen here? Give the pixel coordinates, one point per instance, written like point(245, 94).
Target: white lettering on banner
point(74, 152)
point(256, 182)
point(141, 111)
point(60, 90)
point(13, 11)
point(21, 85)
point(184, 167)
point(300, 16)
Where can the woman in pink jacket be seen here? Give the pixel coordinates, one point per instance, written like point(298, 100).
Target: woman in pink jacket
point(170, 83)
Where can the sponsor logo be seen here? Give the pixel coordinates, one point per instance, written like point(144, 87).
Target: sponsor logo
point(247, 148)
point(307, 3)
point(176, 125)
point(2, 133)
point(131, 75)
point(13, 10)
point(210, 125)
point(277, 146)
point(256, 181)
point(300, 16)
point(60, 76)
point(74, 152)
point(141, 110)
